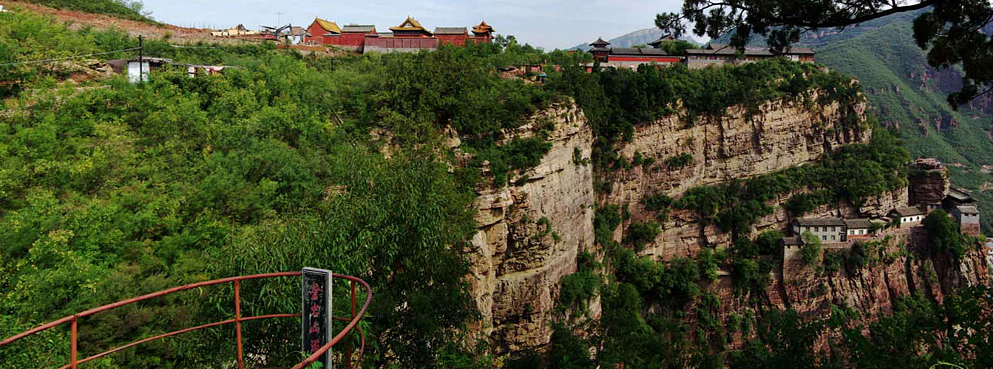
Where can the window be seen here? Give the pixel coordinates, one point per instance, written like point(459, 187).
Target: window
point(832, 238)
point(823, 238)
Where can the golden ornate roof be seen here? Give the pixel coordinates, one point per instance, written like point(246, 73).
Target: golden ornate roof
point(482, 28)
point(410, 24)
point(327, 25)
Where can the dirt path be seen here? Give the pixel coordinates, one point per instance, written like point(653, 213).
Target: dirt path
point(135, 28)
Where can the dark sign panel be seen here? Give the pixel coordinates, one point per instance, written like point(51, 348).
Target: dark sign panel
point(316, 316)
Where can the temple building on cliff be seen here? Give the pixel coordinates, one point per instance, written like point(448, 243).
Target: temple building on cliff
point(629, 57)
point(712, 54)
point(409, 36)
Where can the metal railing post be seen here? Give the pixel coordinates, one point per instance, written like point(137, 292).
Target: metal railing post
point(237, 321)
point(73, 345)
point(348, 346)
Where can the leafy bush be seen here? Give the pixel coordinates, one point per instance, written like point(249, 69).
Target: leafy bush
point(811, 251)
point(658, 203)
point(769, 242)
point(679, 161)
point(639, 234)
point(832, 262)
point(943, 235)
point(857, 257)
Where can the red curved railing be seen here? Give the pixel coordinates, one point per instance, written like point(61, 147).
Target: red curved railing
point(73, 320)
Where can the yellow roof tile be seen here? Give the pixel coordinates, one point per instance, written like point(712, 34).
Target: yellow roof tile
point(410, 24)
point(327, 25)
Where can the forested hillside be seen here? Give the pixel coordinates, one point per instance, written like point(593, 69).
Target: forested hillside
point(907, 93)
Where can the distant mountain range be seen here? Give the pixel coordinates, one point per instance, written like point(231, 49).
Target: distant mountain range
point(639, 37)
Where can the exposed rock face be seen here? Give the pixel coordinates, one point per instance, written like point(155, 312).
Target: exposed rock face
point(892, 273)
point(928, 186)
point(739, 144)
point(530, 233)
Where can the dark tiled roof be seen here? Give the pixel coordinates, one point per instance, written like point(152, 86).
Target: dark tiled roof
point(907, 211)
point(661, 40)
point(799, 50)
point(792, 241)
point(820, 222)
point(637, 52)
point(968, 209)
point(599, 41)
point(858, 223)
point(959, 195)
point(722, 49)
point(450, 31)
point(358, 28)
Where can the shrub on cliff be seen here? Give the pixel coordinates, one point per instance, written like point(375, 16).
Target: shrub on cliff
point(639, 234)
point(857, 257)
point(811, 251)
point(943, 234)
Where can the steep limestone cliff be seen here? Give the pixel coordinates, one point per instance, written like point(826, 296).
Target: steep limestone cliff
point(739, 144)
point(530, 233)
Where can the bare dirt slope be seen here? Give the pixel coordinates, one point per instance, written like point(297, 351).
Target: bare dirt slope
point(81, 19)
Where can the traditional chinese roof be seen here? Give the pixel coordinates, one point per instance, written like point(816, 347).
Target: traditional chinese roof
point(968, 209)
point(820, 222)
point(624, 51)
point(860, 223)
point(728, 50)
point(327, 25)
point(410, 24)
point(482, 27)
point(908, 211)
point(659, 42)
point(799, 50)
point(959, 195)
point(359, 28)
point(450, 31)
point(599, 42)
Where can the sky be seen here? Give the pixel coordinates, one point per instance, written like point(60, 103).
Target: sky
point(549, 24)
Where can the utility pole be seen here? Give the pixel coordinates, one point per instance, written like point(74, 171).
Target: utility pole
point(141, 57)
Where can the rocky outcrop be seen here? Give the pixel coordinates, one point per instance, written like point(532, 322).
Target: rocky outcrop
point(899, 266)
point(928, 186)
point(531, 232)
point(740, 144)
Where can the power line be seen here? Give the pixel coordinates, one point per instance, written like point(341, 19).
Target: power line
point(68, 57)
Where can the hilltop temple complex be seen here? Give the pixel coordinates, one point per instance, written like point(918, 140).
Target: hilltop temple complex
point(409, 36)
